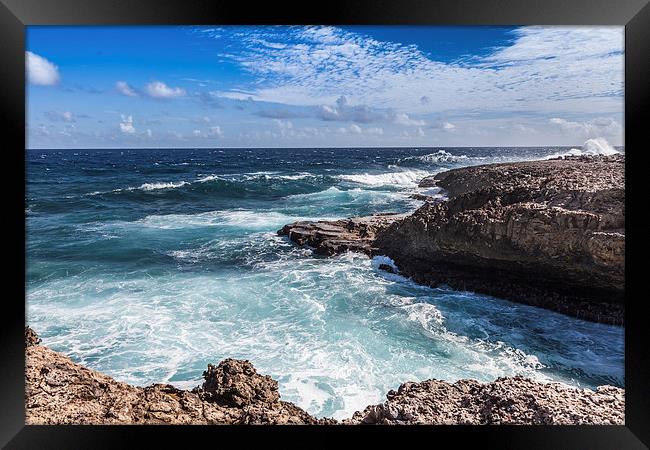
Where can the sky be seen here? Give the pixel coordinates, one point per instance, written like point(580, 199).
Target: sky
point(317, 86)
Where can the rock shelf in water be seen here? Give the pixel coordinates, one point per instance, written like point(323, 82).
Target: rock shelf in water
point(546, 233)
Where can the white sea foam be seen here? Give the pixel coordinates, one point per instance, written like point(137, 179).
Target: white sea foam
point(596, 146)
point(241, 218)
point(441, 156)
point(406, 178)
point(327, 329)
point(155, 186)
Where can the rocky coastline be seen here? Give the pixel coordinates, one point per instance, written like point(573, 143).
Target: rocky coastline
point(59, 391)
point(547, 233)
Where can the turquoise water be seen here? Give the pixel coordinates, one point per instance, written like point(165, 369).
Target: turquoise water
point(149, 264)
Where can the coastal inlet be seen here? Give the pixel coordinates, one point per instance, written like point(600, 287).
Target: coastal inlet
point(148, 265)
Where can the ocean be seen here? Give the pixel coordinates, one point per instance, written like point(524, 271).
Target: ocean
point(148, 264)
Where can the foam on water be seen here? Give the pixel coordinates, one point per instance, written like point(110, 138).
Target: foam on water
point(335, 333)
point(154, 186)
point(406, 178)
point(167, 273)
point(596, 146)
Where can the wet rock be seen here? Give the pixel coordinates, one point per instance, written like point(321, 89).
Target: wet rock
point(514, 400)
point(387, 268)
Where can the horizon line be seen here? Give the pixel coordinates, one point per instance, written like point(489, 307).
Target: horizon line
point(304, 148)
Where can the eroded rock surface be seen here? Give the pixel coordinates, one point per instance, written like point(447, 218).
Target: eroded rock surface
point(546, 233)
point(59, 391)
point(333, 237)
point(515, 400)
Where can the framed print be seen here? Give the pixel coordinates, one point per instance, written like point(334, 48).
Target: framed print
point(333, 221)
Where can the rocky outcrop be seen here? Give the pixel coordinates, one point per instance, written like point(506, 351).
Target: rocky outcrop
point(515, 400)
point(59, 391)
point(355, 234)
point(546, 233)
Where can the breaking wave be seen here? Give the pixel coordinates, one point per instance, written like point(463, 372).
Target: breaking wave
point(406, 178)
point(441, 156)
point(596, 146)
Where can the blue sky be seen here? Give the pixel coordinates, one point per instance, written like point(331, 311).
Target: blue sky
point(225, 86)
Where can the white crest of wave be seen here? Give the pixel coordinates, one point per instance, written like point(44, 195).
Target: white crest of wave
point(406, 178)
point(591, 147)
point(598, 146)
point(438, 157)
point(154, 186)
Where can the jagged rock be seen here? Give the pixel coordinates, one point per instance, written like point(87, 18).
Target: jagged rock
point(339, 236)
point(59, 391)
point(514, 400)
point(237, 383)
point(31, 338)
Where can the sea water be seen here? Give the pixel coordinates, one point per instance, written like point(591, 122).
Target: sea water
point(148, 264)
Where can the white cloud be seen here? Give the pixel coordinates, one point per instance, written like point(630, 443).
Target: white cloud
point(355, 129)
point(212, 132)
point(40, 71)
point(549, 70)
point(124, 89)
point(60, 116)
point(126, 125)
point(215, 131)
point(404, 119)
point(603, 126)
point(284, 124)
point(158, 89)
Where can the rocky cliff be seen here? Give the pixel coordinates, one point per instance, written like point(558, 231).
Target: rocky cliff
point(59, 391)
point(547, 233)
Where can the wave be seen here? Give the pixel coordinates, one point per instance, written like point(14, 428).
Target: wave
point(591, 147)
point(441, 156)
point(155, 186)
point(265, 183)
point(406, 178)
point(236, 218)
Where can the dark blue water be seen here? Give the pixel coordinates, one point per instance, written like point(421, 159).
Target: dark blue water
point(149, 264)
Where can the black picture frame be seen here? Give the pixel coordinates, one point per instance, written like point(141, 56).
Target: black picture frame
point(633, 14)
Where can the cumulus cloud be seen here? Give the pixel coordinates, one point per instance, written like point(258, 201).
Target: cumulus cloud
point(445, 126)
point(212, 132)
point(202, 120)
point(355, 129)
point(124, 89)
point(215, 131)
point(343, 111)
point(40, 71)
point(603, 126)
point(158, 89)
point(126, 125)
point(60, 116)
